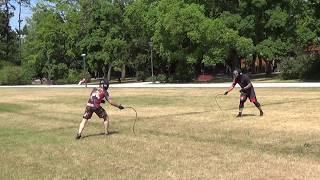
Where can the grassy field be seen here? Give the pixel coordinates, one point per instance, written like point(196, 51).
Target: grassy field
point(180, 134)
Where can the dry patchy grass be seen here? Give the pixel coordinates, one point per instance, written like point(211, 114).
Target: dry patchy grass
point(180, 134)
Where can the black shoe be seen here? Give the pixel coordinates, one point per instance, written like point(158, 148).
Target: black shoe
point(78, 136)
point(261, 113)
point(239, 115)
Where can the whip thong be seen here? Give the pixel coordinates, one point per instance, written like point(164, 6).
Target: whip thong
point(134, 122)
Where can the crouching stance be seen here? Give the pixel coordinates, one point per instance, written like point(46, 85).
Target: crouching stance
point(247, 91)
point(97, 97)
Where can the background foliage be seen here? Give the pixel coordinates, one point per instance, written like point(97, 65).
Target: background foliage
point(183, 35)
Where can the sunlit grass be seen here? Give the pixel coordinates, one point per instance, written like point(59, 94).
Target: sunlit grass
point(180, 134)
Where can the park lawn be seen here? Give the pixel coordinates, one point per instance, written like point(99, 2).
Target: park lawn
point(180, 134)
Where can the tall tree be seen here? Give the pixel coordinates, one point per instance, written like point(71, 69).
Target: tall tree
point(139, 23)
point(104, 41)
point(45, 43)
point(9, 35)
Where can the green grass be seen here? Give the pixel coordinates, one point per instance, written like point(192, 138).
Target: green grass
point(180, 134)
point(11, 107)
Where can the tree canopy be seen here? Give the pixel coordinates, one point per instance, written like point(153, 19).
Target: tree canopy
point(184, 35)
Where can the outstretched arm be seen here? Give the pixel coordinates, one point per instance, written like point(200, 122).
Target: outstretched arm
point(115, 104)
point(230, 89)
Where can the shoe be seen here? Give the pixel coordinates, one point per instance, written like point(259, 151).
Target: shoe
point(239, 115)
point(261, 113)
point(78, 136)
point(106, 133)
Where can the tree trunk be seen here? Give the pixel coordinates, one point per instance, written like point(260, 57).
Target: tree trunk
point(104, 72)
point(253, 64)
point(109, 71)
point(199, 68)
point(261, 69)
point(269, 67)
point(123, 72)
point(234, 59)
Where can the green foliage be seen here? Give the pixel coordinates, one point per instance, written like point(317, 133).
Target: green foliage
point(220, 39)
point(184, 35)
point(177, 35)
point(9, 43)
point(161, 78)
point(277, 18)
point(104, 40)
point(259, 3)
point(141, 75)
point(44, 48)
point(13, 75)
point(305, 35)
point(73, 77)
point(272, 49)
point(301, 67)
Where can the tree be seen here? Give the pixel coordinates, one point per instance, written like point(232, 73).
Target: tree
point(177, 36)
point(8, 36)
point(138, 21)
point(45, 44)
point(104, 41)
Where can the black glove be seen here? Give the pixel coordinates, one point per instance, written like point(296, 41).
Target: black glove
point(226, 93)
point(242, 90)
point(103, 101)
point(120, 107)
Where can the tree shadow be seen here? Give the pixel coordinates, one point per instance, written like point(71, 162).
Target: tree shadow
point(99, 134)
point(248, 115)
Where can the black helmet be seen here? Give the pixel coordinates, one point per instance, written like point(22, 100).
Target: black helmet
point(236, 73)
point(104, 84)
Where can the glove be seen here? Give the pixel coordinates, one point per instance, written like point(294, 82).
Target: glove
point(242, 90)
point(120, 107)
point(103, 101)
point(226, 93)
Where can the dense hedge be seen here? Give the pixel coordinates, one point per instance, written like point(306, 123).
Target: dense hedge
point(14, 75)
point(301, 67)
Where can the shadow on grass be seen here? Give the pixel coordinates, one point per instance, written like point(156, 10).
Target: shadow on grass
point(247, 115)
point(99, 134)
point(228, 138)
point(274, 103)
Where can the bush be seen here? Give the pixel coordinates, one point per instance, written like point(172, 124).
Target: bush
point(141, 76)
point(301, 67)
point(161, 78)
point(290, 68)
point(28, 73)
point(73, 77)
point(313, 69)
point(184, 72)
point(13, 75)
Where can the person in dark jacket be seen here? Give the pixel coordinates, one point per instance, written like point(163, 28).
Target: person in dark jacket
point(247, 91)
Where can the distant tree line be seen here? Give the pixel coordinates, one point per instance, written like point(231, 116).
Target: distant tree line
point(117, 37)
